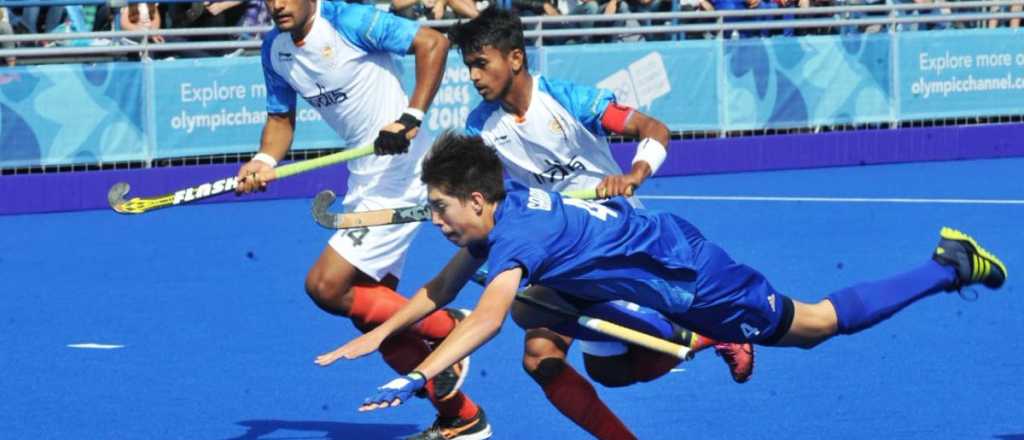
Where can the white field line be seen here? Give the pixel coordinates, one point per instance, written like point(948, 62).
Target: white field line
point(95, 346)
point(839, 199)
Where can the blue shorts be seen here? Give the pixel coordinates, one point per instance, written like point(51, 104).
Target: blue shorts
point(733, 302)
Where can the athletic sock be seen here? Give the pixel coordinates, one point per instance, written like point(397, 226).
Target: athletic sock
point(374, 304)
point(863, 305)
point(458, 405)
point(403, 352)
point(576, 398)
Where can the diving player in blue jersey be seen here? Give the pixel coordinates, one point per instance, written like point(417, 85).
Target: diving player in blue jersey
point(611, 251)
point(340, 58)
point(552, 134)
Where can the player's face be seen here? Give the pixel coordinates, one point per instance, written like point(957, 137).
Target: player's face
point(492, 72)
point(461, 222)
point(290, 15)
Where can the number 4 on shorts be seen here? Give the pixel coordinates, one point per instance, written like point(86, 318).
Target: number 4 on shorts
point(749, 330)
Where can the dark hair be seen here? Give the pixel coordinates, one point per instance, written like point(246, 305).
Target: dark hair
point(459, 165)
point(494, 27)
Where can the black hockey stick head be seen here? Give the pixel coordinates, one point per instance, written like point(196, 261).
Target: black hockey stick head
point(321, 203)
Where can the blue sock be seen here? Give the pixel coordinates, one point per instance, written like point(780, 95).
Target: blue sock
point(638, 318)
point(863, 305)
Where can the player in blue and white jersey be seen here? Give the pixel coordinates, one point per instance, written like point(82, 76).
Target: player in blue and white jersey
point(612, 251)
point(341, 59)
point(552, 134)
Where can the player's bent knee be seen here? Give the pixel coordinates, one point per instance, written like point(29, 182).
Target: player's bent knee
point(329, 295)
point(823, 322)
point(537, 349)
point(542, 345)
point(812, 325)
point(545, 369)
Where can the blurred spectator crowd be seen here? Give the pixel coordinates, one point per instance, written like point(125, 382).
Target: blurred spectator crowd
point(34, 19)
point(31, 19)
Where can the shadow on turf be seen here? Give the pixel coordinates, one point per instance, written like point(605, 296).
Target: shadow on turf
point(324, 430)
point(1009, 436)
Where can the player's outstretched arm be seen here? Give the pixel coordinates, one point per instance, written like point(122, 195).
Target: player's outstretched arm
point(435, 294)
point(278, 133)
point(430, 48)
point(651, 150)
point(468, 335)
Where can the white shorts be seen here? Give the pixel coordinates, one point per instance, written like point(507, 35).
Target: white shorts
point(380, 250)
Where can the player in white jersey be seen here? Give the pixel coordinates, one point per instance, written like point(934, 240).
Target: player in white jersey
point(553, 134)
point(340, 58)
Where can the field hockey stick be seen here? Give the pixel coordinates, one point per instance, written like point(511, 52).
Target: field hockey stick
point(139, 205)
point(609, 328)
point(391, 216)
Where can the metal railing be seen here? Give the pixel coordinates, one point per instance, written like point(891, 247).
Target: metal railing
point(550, 28)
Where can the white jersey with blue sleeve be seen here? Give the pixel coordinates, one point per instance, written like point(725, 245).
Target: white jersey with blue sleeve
point(346, 69)
point(559, 145)
point(598, 252)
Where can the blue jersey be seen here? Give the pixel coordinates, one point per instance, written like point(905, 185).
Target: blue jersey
point(598, 252)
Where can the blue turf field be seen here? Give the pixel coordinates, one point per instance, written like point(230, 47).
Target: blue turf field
point(219, 338)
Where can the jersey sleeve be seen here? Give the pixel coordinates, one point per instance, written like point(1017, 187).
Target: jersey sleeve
point(478, 117)
point(280, 95)
point(586, 104)
point(510, 254)
point(371, 29)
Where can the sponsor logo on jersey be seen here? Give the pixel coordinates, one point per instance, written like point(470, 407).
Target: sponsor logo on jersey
point(204, 190)
point(326, 98)
point(556, 127)
point(285, 57)
point(327, 52)
point(557, 171)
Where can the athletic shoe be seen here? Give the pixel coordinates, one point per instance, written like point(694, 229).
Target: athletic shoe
point(739, 357)
point(457, 428)
point(448, 382)
point(973, 263)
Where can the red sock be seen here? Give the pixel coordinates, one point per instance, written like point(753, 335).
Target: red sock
point(403, 352)
point(577, 399)
point(374, 304)
point(457, 405)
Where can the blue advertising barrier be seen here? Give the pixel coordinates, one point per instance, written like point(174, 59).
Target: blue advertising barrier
point(678, 83)
point(60, 114)
point(73, 114)
point(802, 82)
point(977, 73)
point(218, 105)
